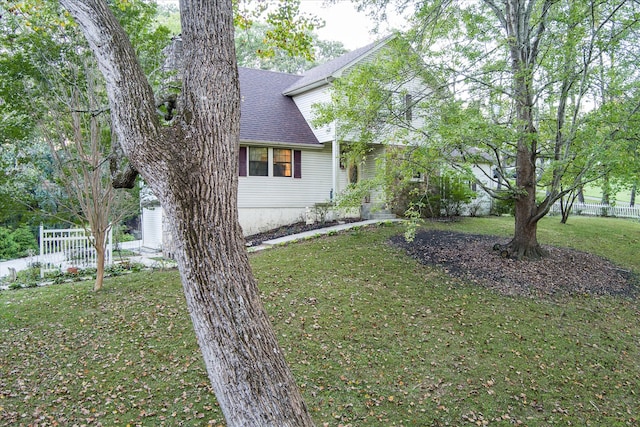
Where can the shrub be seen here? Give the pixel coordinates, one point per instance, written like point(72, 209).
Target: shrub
point(455, 193)
point(25, 239)
point(502, 206)
point(16, 243)
point(8, 247)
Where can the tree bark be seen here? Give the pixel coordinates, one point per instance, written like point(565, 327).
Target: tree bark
point(523, 48)
point(100, 258)
point(192, 169)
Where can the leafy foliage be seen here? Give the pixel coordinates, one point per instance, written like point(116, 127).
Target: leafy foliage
point(17, 243)
point(253, 51)
point(543, 90)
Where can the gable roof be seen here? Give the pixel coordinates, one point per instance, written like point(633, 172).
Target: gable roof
point(331, 70)
point(266, 114)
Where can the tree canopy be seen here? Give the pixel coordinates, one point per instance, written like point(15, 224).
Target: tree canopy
point(538, 88)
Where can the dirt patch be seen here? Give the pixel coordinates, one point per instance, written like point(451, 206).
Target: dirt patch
point(565, 272)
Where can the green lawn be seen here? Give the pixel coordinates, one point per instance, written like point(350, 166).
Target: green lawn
point(374, 339)
point(593, 194)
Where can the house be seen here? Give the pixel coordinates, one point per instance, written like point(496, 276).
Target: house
point(288, 169)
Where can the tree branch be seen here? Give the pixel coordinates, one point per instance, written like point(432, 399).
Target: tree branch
point(132, 104)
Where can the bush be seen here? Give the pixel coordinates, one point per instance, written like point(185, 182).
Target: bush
point(502, 207)
point(16, 243)
point(456, 193)
point(413, 199)
point(8, 248)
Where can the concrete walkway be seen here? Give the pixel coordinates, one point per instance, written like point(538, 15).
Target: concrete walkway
point(318, 232)
point(150, 257)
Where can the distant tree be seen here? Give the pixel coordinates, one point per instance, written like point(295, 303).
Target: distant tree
point(17, 243)
point(26, 184)
point(69, 111)
point(253, 51)
point(255, 47)
point(80, 149)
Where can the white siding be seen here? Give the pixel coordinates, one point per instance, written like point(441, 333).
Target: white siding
point(483, 201)
point(286, 192)
point(305, 103)
point(256, 220)
point(152, 227)
point(343, 179)
point(369, 171)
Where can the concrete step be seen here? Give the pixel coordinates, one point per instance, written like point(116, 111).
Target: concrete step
point(382, 215)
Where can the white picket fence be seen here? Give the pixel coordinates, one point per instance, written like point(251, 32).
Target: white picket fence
point(61, 249)
point(596, 209)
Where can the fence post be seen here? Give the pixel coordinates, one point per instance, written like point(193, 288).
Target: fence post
point(41, 250)
point(110, 246)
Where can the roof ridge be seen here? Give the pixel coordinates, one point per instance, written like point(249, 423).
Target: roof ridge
point(322, 72)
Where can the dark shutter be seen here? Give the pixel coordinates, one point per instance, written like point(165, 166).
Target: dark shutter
point(297, 164)
point(242, 162)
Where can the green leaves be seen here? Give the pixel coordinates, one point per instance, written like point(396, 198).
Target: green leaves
point(255, 50)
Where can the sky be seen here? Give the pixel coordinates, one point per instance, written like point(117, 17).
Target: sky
point(343, 22)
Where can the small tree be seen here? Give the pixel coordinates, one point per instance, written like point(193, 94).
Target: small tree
point(68, 106)
point(455, 192)
point(80, 150)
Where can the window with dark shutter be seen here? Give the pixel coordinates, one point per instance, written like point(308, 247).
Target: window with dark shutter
point(242, 162)
point(408, 105)
point(297, 164)
point(281, 162)
point(259, 161)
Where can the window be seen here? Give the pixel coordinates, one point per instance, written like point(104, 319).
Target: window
point(397, 106)
point(258, 161)
point(417, 177)
point(297, 164)
point(408, 104)
point(282, 162)
point(255, 161)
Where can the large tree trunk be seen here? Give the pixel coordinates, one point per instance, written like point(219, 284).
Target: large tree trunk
point(523, 51)
point(192, 169)
point(525, 239)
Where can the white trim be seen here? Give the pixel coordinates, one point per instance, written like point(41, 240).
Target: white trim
point(248, 142)
point(335, 165)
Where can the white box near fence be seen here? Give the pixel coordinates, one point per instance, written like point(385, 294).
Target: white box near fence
point(61, 249)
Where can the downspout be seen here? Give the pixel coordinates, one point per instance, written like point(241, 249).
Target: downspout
point(335, 156)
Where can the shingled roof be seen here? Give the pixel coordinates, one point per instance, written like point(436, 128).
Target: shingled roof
point(331, 70)
point(267, 115)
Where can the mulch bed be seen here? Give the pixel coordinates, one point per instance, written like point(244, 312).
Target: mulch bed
point(564, 272)
point(288, 230)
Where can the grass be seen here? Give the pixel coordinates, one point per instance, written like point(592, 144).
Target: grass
point(373, 338)
point(593, 194)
